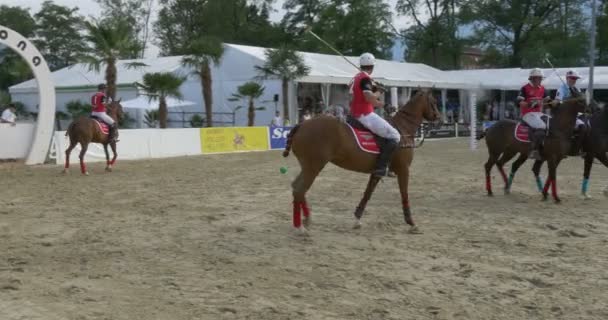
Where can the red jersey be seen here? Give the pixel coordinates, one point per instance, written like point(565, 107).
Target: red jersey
point(98, 102)
point(359, 106)
point(533, 96)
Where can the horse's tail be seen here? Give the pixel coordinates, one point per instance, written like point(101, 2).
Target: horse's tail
point(290, 136)
point(69, 129)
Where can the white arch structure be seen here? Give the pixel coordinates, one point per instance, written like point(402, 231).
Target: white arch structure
point(46, 93)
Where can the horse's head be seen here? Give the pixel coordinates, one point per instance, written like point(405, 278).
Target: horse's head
point(577, 104)
point(115, 109)
point(427, 103)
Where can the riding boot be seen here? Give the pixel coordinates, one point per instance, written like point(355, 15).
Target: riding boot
point(387, 148)
point(534, 144)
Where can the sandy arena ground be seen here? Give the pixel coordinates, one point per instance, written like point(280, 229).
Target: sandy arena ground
point(210, 237)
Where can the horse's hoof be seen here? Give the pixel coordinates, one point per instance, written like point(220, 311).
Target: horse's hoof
point(586, 196)
point(306, 222)
point(357, 224)
point(301, 231)
point(507, 191)
point(557, 201)
point(65, 172)
point(108, 169)
point(490, 194)
point(415, 230)
point(85, 173)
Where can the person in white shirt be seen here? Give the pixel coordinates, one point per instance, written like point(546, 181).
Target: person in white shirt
point(8, 115)
point(277, 121)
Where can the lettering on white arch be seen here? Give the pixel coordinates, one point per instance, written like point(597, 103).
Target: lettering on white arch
point(46, 93)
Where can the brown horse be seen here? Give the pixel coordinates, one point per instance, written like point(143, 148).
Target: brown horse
point(85, 130)
point(321, 140)
point(503, 146)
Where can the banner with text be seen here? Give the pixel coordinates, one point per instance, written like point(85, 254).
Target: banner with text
point(233, 139)
point(278, 137)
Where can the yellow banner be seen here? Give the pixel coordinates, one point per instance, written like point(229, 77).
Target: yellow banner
point(231, 139)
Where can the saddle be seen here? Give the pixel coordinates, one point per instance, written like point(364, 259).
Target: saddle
point(104, 127)
point(371, 142)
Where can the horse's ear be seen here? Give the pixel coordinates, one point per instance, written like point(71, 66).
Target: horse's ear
point(119, 100)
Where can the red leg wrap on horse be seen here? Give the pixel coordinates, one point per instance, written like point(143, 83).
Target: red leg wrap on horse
point(83, 168)
point(406, 203)
point(297, 218)
point(113, 161)
point(547, 184)
point(488, 183)
point(502, 173)
point(554, 189)
point(305, 209)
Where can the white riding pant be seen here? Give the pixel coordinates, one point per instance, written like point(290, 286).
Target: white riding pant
point(534, 120)
point(104, 116)
point(379, 126)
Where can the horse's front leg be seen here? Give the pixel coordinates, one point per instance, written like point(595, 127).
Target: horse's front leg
point(114, 154)
point(536, 170)
point(108, 165)
point(403, 177)
point(586, 175)
point(369, 190)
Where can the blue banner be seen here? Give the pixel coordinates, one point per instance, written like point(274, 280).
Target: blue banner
point(278, 137)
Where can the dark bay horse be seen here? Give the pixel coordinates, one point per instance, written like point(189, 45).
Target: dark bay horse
point(322, 140)
point(595, 146)
point(85, 130)
point(503, 146)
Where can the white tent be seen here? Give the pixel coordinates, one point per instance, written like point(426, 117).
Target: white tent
point(143, 102)
point(515, 78)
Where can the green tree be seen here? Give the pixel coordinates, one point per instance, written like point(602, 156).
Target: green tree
point(58, 34)
point(351, 26)
point(513, 26)
point(13, 69)
point(202, 53)
point(435, 40)
point(236, 21)
point(250, 91)
point(162, 85)
point(287, 65)
point(18, 19)
point(137, 15)
point(109, 42)
point(77, 108)
point(602, 34)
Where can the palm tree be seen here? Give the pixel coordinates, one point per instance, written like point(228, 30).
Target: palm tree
point(109, 42)
point(162, 85)
point(286, 64)
point(202, 53)
point(251, 91)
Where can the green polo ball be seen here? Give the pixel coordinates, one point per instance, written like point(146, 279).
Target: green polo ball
point(283, 170)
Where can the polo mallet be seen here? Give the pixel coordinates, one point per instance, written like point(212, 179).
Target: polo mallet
point(554, 70)
point(309, 30)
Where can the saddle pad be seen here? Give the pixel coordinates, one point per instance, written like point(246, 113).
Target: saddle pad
point(105, 129)
point(365, 139)
point(521, 132)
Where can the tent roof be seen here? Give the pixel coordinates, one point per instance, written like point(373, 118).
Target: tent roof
point(326, 68)
point(515, 78)
point(151, 103)
point(79, 75)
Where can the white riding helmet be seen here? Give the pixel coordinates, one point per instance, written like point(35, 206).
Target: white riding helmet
point(572, 74)
point(367, 59)
point(536, 72)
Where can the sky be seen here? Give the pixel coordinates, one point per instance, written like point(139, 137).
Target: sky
point(91, 8)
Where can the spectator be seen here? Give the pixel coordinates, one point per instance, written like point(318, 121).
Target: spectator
point(8, 115)
point(277, 121)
